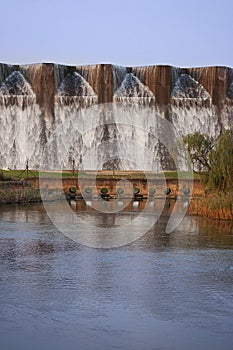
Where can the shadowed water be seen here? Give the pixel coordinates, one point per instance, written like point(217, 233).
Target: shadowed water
point(164, 291)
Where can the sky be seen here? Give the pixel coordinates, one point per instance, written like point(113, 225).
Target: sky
point(182, 33)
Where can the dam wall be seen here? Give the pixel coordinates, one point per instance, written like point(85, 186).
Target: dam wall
point(113, 183)
point(52, 115)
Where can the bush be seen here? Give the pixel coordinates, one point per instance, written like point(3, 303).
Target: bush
point(199, 148)
point(220, 176)
point(215, 157)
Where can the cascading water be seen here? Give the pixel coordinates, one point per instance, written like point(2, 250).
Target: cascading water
point(54, 118)
point(228, 112)
point(187, 87)
point(133, 91)
point(230, 91)
point(66, 142)
point(140, 124)
point(191, 108)
point(135, 103)
point(20, 124)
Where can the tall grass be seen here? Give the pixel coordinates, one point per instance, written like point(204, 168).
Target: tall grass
point(216, 205)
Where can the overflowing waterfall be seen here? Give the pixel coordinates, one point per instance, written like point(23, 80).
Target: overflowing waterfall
point(230, 91)
point(21, 137)
point(54, 115)
point(133, 91)
point(73, 98)
point(191, 108)
point(228, 112)
point(187, 87)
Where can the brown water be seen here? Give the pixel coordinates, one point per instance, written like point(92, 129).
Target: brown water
point(164, 291)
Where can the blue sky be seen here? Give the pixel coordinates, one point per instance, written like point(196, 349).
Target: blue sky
point(125, 32)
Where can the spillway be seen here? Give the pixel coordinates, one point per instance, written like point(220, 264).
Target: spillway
point(105, 116)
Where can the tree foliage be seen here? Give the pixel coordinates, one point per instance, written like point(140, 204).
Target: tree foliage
point(199, 149)
point(214, 157)
point(220, 175)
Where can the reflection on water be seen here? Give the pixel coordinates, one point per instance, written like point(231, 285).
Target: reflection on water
point(163, 291)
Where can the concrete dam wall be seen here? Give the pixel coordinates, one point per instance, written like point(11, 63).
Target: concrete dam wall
point(105, 116)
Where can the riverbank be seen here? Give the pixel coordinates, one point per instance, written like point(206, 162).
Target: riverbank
point(214, 206)
point(19, 195)
point(26, 195)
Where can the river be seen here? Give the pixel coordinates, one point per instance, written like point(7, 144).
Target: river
point(163, 291)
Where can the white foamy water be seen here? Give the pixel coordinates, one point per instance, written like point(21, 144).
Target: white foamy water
point(124, 135)
point(20, 124)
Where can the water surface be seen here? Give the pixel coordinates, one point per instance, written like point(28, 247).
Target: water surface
point(164, 291)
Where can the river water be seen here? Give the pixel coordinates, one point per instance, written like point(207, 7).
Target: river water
point(163, 291)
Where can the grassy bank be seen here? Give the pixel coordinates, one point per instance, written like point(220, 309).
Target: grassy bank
point(26, 194)
point(20, 174)
point(19, 195)
point(215, 206)
point(8, 175)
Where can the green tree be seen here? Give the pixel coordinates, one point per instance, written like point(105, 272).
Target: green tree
point(213, 157)
point(199, 149)
point(220, 175)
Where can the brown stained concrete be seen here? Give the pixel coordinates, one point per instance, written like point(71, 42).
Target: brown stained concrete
point(45, 79)
point(112, 183)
